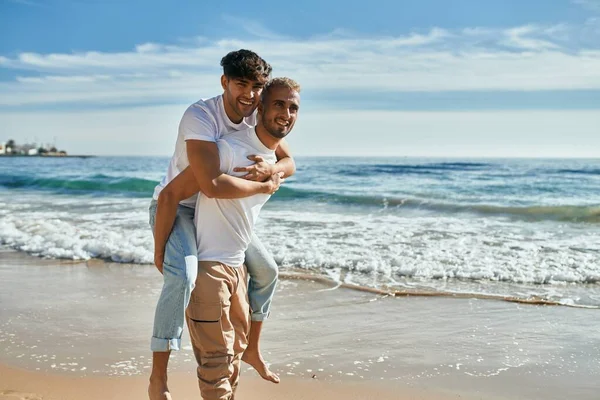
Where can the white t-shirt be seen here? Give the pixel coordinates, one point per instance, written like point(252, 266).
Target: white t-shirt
point(224, 226)
point(205, 120)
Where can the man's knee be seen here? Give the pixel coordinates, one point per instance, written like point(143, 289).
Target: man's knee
point(264, 276)
point(184, 274)
point(272, 272)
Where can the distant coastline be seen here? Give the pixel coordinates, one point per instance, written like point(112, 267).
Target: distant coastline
point(12, 148)
point(46, 156)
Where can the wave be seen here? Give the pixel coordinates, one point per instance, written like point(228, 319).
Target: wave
point(579, 171)
point(376, 249)
point(385, 290)
point(401, 169)
point(97, 183)
point(567, 213)
point(138, 187)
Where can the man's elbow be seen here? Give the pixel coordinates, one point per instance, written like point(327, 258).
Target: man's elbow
point(211, 190)
point(291, 168)
point(210, 194)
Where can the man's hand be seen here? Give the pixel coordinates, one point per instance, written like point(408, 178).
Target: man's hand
point(158, 261)
point(274, 182)
point(259, 172)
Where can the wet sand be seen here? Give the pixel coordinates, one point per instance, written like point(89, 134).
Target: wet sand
point(70, 327)
point(38, 386)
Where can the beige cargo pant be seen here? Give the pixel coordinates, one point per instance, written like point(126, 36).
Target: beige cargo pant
point(218, 318)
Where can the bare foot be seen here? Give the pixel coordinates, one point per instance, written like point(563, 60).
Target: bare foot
point(255, 360)
point(158, 390)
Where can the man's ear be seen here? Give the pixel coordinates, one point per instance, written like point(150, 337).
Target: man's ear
point(260, 107)
point(224, 82)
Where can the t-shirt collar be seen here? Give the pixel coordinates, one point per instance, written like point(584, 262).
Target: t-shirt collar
point(237, 127)
point(257, 143)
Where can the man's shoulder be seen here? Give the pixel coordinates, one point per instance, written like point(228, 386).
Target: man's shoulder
point(212, 102)
point(204, 109)
point(205, 106)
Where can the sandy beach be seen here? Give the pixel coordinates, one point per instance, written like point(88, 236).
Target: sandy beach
point(80, 330)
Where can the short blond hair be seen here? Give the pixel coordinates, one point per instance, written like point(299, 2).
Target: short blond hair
point(280, 82)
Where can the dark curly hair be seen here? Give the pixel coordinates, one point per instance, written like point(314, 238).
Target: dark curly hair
point(245, 64)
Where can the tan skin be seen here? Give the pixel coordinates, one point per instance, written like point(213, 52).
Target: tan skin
point(204, 175)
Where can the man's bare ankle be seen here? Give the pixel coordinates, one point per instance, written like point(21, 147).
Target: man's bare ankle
point(158, 378)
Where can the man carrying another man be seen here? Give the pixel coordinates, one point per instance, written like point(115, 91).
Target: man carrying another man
point(204, 123)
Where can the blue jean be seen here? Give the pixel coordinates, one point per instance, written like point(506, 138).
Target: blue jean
point(180, 269)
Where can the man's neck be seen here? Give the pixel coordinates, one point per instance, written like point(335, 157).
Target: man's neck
point(265, 138)
point(232, 115)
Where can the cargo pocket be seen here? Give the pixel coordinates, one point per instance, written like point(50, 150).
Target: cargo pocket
point(205, 312)
point(206, 330)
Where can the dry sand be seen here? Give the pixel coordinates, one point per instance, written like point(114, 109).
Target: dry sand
point(76, 330)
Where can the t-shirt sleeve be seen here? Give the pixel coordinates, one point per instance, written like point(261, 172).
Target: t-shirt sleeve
point(198, 124)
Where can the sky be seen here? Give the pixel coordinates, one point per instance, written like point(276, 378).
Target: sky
point(461, 78)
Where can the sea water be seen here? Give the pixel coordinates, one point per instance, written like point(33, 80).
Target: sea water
point(506, 227)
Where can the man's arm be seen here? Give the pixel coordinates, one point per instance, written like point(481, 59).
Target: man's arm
point(205, 164)
point(198, 128)
point(261, 169)
point(285, 161)
point(182, 187)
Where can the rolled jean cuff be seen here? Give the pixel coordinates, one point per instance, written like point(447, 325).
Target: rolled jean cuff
point(160, 344)
point(257, 316)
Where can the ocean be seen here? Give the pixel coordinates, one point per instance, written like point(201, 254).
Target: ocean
point(514, 228)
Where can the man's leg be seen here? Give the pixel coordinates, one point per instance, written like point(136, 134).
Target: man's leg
point(239, 312)
point(263, 272)
point(211, 329)
point(179, 275)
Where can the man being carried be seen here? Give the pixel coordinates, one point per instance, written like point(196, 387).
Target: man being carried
point(196, 163)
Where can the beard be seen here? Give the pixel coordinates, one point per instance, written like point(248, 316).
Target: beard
point(276, 133)
point(274, 129)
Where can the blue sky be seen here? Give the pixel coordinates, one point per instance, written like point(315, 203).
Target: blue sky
point(431, 78)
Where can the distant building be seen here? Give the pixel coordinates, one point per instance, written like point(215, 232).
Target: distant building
point(30, 149)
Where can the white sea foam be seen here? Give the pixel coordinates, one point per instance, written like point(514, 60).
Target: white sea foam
point(347, 244)
point(434, 247)
point(79, 229)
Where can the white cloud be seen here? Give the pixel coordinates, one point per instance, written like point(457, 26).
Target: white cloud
point(529, 57)
point(520, 38)
point(148, 48)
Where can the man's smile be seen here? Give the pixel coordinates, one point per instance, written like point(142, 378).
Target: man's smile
point(282, 122)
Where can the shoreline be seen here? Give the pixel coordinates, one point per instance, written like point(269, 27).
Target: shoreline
point(82, 324)
point(424, 292)
point(384, 290)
